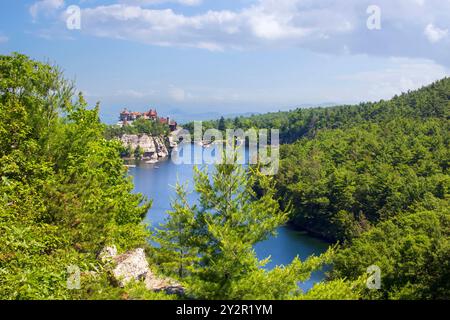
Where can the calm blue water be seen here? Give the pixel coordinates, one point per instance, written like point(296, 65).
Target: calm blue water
point(157, 182)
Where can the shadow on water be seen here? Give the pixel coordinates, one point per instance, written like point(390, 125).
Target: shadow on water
point(157, 181)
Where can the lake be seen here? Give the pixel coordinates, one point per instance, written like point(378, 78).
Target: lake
point(157, 181)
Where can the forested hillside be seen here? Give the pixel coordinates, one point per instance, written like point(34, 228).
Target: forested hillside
point(430, 101)
point(341, 182)
point(376, 178)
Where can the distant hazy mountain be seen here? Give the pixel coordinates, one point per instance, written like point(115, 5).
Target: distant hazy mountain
point(184, 117)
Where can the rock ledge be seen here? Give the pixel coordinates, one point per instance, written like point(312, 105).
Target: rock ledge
point(133, 265)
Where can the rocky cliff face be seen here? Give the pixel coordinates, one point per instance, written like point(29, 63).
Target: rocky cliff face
point(154, 147)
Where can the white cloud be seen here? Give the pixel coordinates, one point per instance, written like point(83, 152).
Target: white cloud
point(268, 20)
point(326, 26)
point(403, 74)
point(434, 34)
point(3, 39)
point(45, 6)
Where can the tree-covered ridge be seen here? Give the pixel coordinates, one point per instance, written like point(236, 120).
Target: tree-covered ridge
point(429, 101)
point(381, 186)
point(374, 176)
point(412, 251)
point(343, 181)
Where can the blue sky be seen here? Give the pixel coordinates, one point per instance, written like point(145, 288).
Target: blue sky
point(225, 56)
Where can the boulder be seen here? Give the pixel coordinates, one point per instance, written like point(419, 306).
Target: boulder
point(130, 266)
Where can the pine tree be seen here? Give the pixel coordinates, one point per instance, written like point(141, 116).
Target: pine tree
point(175, 237)
point(232, 220)
point(222, 126)
point(211, 244)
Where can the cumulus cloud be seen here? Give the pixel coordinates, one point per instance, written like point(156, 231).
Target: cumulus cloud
point(434, 34)
point(45, 7)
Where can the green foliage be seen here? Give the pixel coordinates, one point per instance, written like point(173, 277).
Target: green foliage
point(140, 126)
point(429, 102)
point(64, 192)
point(412, 251)
point(375, 177)
point(336, 290)
point(178, 252)
point(343, 181)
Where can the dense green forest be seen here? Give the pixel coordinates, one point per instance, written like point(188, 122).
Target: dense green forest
point(140, 126)
point(430, 101)
point(383, 190)
point(373, 178)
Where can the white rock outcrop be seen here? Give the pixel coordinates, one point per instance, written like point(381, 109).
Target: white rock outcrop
point(130, 266)
point(133, 265)
point(153, 147)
